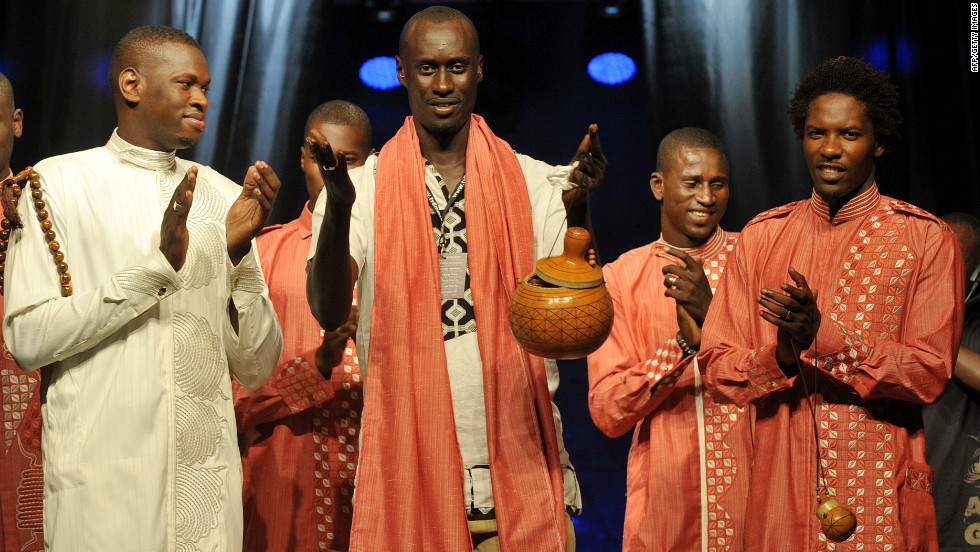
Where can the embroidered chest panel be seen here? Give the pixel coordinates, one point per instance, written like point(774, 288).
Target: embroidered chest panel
point(858, 442)
point(872, 287)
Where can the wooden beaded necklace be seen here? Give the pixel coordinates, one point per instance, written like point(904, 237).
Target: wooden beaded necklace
point(7, 225)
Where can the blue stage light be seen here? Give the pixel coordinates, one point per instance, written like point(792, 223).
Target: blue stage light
point(881, 53)
point(379, 73)
point(100, 72)
point(612, 68)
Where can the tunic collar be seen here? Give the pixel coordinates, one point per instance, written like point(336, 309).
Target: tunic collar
point(141, 157)
point(10, 176)
point(306, 222)
point(707, 249)
point(859, 206)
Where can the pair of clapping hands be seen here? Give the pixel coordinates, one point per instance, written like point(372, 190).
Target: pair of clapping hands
point(794, 311)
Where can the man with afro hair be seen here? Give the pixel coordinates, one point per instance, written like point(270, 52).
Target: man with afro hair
point(839, 316)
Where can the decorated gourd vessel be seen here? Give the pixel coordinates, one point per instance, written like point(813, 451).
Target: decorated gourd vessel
point(563, 309)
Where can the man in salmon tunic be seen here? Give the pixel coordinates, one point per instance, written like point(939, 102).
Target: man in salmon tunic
point(839, 314)
point(688, 465)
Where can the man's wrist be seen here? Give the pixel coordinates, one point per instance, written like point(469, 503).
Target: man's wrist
point(687, 349)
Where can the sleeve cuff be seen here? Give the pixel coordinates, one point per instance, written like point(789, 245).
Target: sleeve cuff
point(145, 286)
point(245, 280)
point(840, 351)
point(560, 176)
point(664, 368)
point(300, 384)
point(764, 374)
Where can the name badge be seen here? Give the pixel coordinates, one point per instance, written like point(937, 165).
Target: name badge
point(452, 275)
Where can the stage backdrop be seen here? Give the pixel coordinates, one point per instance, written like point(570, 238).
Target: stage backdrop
point(729, 66)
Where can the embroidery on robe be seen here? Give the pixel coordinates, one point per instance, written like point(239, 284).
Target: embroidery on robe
point(198, 500)
point(721, 469)
point(198, 356)
point(142, 280)
point(855, 444)
point(248, 278)
point(774, 212)
point(721, 463)
point(199, 369)
point(198, 432)
point(18, 389)
point(207, 247)
point(30, 498)
point(208, 205)
point(335, 426)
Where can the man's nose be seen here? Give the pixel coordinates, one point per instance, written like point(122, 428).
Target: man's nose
point(704, 194)
point(199, 99)
point(443, 82)
point(830, 147)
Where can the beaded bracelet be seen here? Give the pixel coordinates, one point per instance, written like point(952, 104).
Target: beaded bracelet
point(687, 349)
point(6, 226)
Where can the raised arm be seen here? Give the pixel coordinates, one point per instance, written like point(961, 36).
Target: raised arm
point(587, 175)
point(331, 272)
point(254, 345)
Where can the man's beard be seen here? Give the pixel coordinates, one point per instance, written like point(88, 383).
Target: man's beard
point(445, 131)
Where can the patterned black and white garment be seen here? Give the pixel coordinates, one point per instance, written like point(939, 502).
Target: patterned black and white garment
point(449, 228)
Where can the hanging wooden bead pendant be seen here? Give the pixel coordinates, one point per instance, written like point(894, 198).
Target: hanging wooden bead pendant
point(7, 225)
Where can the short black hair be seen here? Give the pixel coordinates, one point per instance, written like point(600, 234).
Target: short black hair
point(858, 79)
point(340, 112)
point(688, 137)
point(436, 14)
point(139, 44)
point(7, 91)
point(964, 219)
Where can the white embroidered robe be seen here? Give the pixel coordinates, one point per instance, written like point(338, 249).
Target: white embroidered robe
point(138, 442)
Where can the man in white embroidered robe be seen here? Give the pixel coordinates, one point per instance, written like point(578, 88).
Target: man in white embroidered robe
point(139, 444)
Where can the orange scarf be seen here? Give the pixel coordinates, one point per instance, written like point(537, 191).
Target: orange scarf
point(410, 478)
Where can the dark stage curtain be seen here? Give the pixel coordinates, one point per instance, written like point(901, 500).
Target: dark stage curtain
point(727, 65)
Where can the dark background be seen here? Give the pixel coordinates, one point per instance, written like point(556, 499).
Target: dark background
point(728, 66)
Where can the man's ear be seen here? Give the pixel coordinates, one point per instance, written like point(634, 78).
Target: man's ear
point(18, 123)
point(879, 149)
point(479, 68)
point(657, 185)
point(400, 69)
point(129, 85)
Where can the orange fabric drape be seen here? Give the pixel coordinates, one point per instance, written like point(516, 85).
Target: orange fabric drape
point(410, 480)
